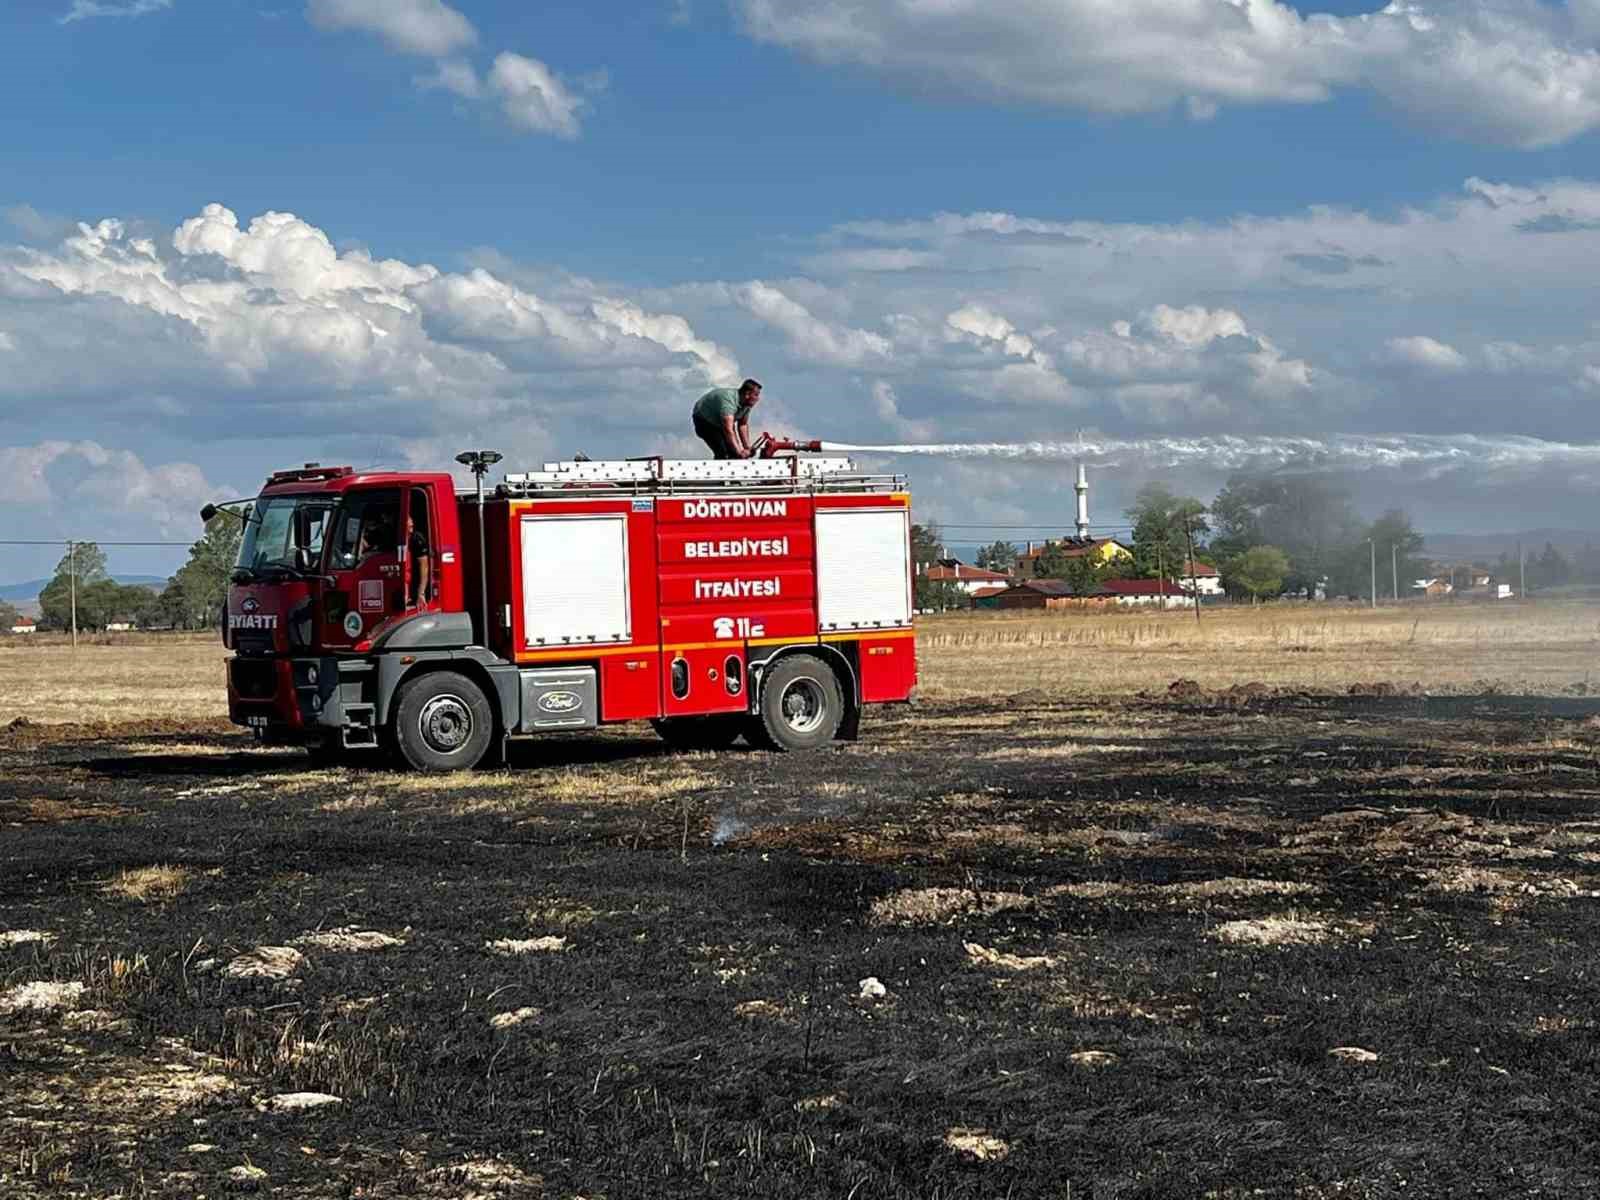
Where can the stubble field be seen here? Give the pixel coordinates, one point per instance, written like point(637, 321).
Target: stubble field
point(1320, 920)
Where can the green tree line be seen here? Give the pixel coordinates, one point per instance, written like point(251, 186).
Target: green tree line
point(192, 598)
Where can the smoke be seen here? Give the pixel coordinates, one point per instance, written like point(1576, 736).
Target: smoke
point(1419, 455)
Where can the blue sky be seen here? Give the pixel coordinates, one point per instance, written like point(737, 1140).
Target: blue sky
point(549, 226)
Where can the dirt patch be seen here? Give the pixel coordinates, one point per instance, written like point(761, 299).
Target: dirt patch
point(153, 885)
point(12, 938)
point(1228, 888)
point(348, 939)
point(1464, 880)
point(265, 962)
point(977, 1144)
point(538, 945)
point(41, 996)
point(933, 906)
point(982, 956)
point(1273, 931)
point(52, 809)
point(515, 1016)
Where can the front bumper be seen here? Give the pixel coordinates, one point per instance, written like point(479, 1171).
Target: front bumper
point(303, 699)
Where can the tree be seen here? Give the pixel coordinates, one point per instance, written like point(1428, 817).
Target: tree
point(1587, 566)
point(927, 545)
point(1235, 519)
point(1393, 530)
point(1083, 574)
point(9, 616)
point(1052, 562)
point(167, 609)
point(1260, 571)
point(87, 562)
point(999, 556)
point(87, 559)
point(937, 595)
point(1162, 526)
point(1308, 517)
point(1550, 569)
point(203, 580)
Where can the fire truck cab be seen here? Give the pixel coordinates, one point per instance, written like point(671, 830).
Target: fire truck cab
point(768, 598)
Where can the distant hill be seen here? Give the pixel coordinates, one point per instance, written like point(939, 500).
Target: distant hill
point(25, 595)
point(1486, 547)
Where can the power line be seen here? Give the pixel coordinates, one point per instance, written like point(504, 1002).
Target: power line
point(84, 542)
point(1032, 528)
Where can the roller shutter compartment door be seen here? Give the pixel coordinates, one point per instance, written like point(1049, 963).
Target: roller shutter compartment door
point(863, 568)
point(575, 579)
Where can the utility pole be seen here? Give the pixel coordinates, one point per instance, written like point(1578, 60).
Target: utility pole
point(1372, 548)
point(1522, 572)
point(1394, 565)
point(72, 578)
point(1194, 583)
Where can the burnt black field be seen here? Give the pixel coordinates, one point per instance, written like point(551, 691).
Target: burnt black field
point(1117, 945)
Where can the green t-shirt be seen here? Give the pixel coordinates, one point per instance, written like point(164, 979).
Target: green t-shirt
point(719, 403)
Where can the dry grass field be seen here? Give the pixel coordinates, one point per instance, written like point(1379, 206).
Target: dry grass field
point(1324, 923)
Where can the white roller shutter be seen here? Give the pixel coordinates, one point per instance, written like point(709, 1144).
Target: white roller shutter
point(575, 579)
point(863, 568)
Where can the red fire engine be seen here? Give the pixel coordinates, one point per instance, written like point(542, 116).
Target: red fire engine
point(768, 597)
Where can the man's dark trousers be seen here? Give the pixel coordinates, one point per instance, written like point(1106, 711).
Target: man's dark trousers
point(713, 437)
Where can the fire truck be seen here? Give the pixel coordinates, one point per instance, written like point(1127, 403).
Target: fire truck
point(768, 598)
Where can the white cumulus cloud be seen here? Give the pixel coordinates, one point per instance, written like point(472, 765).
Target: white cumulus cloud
point(1426, 352)
point(425, 27)
point(64, 480)
point(272, 305)
point(1512, 72)
point(532, 97)
point(810, 337)
point(83, 10)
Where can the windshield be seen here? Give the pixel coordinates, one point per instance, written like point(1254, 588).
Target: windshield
point(285, 533)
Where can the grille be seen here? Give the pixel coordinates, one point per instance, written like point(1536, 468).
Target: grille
point(254, 679)
point(252, 641)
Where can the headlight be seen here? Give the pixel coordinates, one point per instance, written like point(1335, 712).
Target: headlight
point(311, 676)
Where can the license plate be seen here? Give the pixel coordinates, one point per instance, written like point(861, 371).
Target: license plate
point(257, 722)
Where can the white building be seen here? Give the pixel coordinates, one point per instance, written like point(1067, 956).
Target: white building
point(1202, 579)
point(968, 579)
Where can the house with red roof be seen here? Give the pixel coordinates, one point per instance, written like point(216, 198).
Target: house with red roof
point(970, 580)
point(1147, 593)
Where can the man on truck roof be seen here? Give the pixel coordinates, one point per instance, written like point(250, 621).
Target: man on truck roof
point(722, 419)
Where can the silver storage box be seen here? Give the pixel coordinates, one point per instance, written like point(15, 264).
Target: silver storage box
point(559, 698)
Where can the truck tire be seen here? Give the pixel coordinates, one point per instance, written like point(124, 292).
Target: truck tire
point(442, 722)
point(801, 705)
point(716, 732)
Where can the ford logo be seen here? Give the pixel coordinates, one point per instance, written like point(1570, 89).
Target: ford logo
point(560, 702)
point(250, 604)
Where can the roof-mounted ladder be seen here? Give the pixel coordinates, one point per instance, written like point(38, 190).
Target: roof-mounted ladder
point(783, 473)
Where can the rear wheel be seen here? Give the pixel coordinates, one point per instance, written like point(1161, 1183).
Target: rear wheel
point(801, 704)
point(442, 722)
point(716, 732)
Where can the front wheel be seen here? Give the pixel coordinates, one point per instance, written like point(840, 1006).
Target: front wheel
point(801, 704)
point(442, 722)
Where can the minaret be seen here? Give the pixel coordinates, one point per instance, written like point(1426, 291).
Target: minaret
point(1083, 504)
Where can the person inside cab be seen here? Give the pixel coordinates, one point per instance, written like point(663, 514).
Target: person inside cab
point(417, 546)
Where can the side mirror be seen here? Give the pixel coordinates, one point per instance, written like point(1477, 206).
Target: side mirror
point(208, 512)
